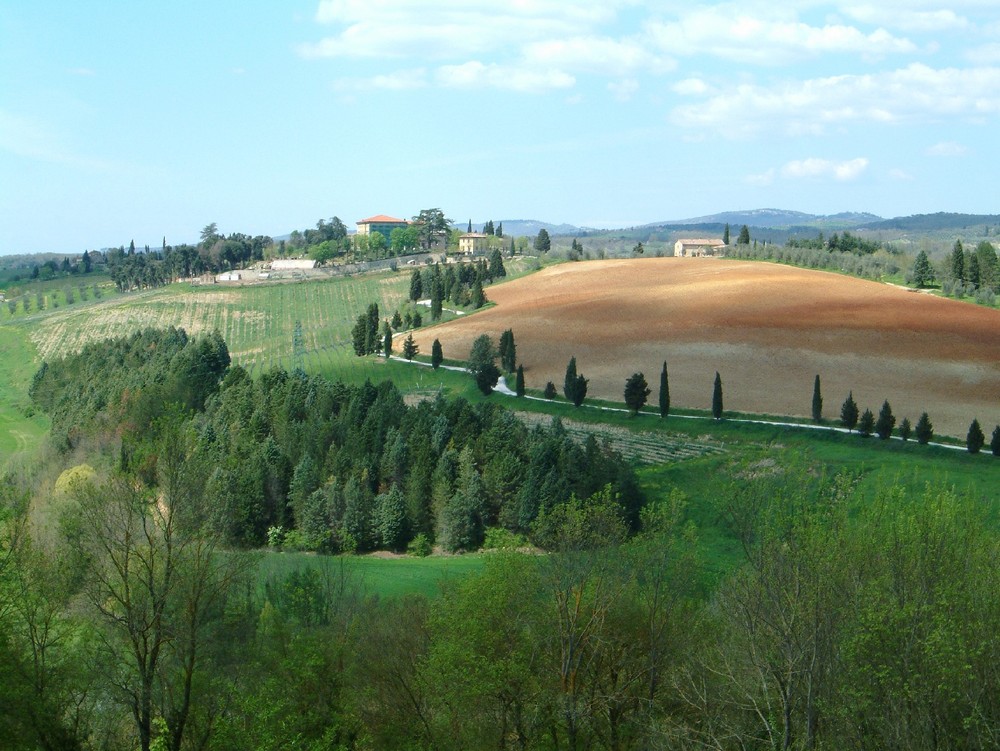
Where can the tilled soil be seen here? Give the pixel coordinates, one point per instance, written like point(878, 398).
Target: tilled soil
point(767, 329)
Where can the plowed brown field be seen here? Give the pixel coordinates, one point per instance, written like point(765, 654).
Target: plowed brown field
point(767, 329)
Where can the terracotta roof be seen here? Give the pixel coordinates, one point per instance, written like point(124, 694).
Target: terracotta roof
point(382, 219)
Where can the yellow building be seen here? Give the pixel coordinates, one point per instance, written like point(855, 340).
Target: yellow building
point(472, 242)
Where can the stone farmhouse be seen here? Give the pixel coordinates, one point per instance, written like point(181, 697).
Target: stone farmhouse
point(699, 247)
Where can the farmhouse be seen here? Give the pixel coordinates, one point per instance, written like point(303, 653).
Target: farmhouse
point(229, 276)
point(691, 248)
point(382, 224)
point(290, 264)
point(471, 243)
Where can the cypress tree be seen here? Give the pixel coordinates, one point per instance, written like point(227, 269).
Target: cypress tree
point(519, 382)
point(569, 382)
point(995, 441)
point(664, 391)
point(905, 429)
point(416, 285)
point(550, 390)
point(975, 439)
point(717, 397)
point(387, 341)
point(817, 405)
point(436, 355)
point(958, 262)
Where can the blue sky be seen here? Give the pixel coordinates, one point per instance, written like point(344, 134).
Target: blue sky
point(129, 120)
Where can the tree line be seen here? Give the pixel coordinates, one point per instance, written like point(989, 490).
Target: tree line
point(331, 467)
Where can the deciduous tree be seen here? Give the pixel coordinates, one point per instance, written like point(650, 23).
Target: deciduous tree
point(636, 392)
point(482, 364)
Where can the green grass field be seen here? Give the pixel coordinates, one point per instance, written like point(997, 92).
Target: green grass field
point(384, 577)
point(21, 429)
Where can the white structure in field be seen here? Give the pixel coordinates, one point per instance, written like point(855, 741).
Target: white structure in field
point(699, 247)
point(288, 264)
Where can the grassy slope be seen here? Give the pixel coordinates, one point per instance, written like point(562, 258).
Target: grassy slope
point(258, 323)
point(21, 430)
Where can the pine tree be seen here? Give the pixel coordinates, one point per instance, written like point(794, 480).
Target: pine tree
point(905, 429)
point(410, 348)
point(717, 397)
point(886, 421)
point(975, 439)
point(867, 423)
point(817, 405)
point(550, 390)
point(519, 381)
point(995, 441)
point(924, 430)
point(922, 274)
point(849, 412)
point(436, 355)
point(664, 391)
point(744, 238)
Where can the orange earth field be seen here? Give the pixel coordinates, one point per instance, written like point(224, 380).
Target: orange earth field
point(768, 330)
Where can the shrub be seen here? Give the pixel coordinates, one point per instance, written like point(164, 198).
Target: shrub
point(419, 546)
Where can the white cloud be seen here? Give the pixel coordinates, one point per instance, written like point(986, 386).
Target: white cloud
point(760, 180)
point(766, 37)
point(987, 54)
point(691, 87)
point(815, 167)
point(907, 18)
point(900, 174)
point(946, 149)
point(623, 90)
point(541, 44)
point(597, 54)
point(476, 75)
point(914, 93)
point(443, 29)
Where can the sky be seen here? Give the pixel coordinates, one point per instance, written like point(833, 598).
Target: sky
point(147, 121)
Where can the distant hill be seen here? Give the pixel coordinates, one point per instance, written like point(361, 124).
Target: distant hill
point(940, 220)
point(776, 219)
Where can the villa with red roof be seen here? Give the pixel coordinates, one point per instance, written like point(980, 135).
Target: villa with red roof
point(382, 224)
